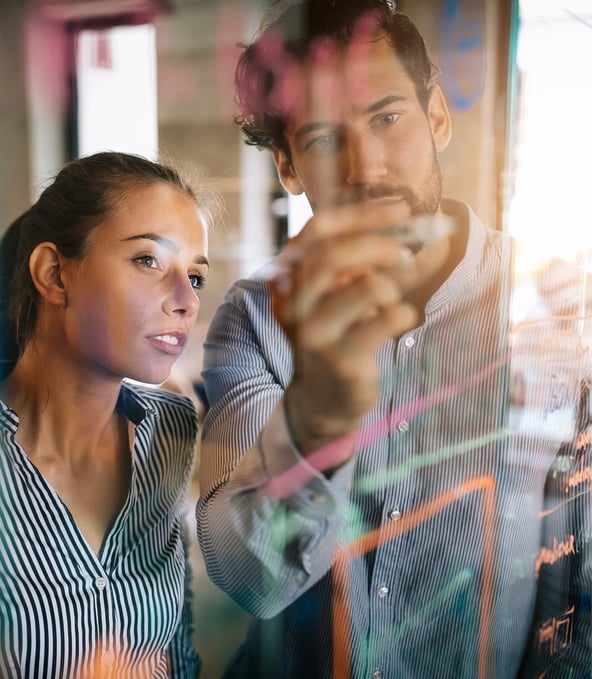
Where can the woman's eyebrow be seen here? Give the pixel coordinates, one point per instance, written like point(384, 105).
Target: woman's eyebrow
point(167, 243)
point(161, 240)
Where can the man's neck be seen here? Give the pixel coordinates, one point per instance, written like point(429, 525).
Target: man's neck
point(457, 246)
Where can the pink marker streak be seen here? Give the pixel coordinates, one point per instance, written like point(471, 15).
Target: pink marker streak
point(336, 452)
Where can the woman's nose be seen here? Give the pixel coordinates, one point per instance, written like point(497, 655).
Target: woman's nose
point(181, 298)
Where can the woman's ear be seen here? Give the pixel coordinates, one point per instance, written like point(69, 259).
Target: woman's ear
point(45, 266)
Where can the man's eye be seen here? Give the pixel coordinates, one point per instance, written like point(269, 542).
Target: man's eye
point(149, 261)
point(197, 281)
point(387, 118)
point(324, 143)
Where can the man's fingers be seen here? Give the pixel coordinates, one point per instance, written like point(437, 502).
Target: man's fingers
point(358, 302)
point(330, 267)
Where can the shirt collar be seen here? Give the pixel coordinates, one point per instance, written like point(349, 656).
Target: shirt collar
point(477, 234)
point(8, 418)
point(133, 405)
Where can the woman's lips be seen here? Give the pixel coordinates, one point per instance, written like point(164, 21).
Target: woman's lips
point(171, 343)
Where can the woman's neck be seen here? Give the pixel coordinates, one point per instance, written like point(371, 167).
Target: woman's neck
point(60, 408)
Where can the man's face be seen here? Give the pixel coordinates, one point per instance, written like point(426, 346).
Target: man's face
point(361, 133)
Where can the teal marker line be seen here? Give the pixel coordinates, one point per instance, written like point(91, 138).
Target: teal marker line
point(369, 483)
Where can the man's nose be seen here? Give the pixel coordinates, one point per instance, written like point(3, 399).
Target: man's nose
point(365, 159)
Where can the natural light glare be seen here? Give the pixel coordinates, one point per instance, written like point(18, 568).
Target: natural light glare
point(116, 81)
point(299, 212)
point(550, 210)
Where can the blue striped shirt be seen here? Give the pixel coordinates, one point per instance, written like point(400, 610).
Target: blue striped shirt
point(66, 613)
point(421, 557)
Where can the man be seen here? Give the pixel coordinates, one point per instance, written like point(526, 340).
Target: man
point(375, 456)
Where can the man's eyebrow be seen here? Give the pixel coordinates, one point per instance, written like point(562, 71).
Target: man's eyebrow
point(312, 127)
point(373, 108)
point(384, 102)
point(167, 243)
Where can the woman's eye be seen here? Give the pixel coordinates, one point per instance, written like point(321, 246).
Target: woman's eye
point(197, 281)
point(149, 261)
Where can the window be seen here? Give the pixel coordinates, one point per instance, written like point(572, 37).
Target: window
point(549, 209)
point(115, 90)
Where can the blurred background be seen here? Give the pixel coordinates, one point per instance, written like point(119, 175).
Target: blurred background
point(155, 77)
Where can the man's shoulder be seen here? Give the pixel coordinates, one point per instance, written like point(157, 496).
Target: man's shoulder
point(249, 290)
point(244, 333)
point(248, 299)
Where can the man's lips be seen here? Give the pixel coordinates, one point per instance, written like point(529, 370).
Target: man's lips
point(360, 193)
point(385, 199)
point(169, 342)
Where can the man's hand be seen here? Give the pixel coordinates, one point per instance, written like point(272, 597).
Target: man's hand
point(339, 294)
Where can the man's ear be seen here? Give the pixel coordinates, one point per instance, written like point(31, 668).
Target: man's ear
point(439, 118)
point(45, 266)
point(287, 176)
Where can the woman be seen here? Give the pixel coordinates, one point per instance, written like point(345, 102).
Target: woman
point(100, 283)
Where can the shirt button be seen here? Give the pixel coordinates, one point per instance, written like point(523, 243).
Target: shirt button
point(394, 515)
point(409, 341)
point(382, 591)
point(377, 674)
point(403, 426)
point(108, 658)
point(101, 583)
point(317, 498)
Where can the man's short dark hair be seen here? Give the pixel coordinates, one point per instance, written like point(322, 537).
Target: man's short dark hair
point(290, 35)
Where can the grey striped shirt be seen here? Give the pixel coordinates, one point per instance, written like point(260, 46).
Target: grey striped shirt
point(421, 557)
point(66, 613)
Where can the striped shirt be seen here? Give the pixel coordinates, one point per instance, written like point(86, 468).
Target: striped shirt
point(66, 613)
point(421, 557)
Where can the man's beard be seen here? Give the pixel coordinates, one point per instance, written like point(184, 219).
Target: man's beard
point(425, 203)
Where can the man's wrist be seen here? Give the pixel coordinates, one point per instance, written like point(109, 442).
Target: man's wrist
point(327, 439)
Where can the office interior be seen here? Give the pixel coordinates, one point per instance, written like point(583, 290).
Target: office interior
point(515, 74)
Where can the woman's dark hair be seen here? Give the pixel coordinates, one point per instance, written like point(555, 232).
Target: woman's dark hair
point(290, 34)
point(82, 195)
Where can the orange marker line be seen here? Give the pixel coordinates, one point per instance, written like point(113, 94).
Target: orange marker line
point(377, 537)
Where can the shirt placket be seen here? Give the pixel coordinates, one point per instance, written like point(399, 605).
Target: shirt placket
point(398, 497)
point(112, 643)
point(105, 618)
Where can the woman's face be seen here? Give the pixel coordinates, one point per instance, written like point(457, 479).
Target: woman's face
point(132, 300)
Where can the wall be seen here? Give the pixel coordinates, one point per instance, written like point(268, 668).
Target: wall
point(468, 40)
point(15, 176)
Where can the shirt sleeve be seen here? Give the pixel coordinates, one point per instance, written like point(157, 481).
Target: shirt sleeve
point(268, 522)
point(184, 660)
